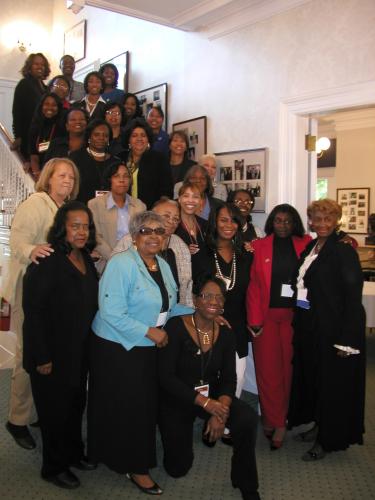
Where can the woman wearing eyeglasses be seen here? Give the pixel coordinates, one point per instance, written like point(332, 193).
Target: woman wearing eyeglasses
point(137, 294)
point(270, 305)
point(245, 201)
point(197, 374)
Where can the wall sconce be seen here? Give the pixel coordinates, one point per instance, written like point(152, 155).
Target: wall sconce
point(23, 46)
point(317, 146)
point(75, 5)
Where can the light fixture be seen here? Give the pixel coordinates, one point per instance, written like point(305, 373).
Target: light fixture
point(75, 5)
point(322, 144)
point(23, 46)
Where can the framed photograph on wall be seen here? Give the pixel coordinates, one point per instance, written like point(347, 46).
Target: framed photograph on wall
point(245, 169)
point(355, 204)
point(196, 131)
point(155, 96)
point(122, 64)
point(75, 41)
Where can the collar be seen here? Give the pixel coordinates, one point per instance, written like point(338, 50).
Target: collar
point(99, 100)
point(110, 203)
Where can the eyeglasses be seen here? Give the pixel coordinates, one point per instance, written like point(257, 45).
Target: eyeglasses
point(210, 296)
point(244, 202)
point(169, 218)
point(60, 86)
point(147, 231)
point(113, 113)
point(284, 222)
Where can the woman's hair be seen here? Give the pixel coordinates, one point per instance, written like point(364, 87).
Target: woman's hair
point(184, 137)
point(232, 195)
point(58, 77)
point(26, 68)
point(235, 214)
point(111, 170)
point(208, 156)
point(110, 105)
point(57, 233)
point(140, 219)
point(49, 168)
point(93, 125)
point(38, 115)
point(327, 206)
point(165, 199)
point(113, 67)
point(285, 208)
point(201, 281)
point(86, 80)
point(158, 109)
point(78, 110)
point(188, 185)
point(138, 123)
point(138, 109)
point(209, 191)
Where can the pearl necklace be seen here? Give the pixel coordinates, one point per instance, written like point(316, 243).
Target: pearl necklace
point(205, 335)
point(229, 281)
point(95, 154)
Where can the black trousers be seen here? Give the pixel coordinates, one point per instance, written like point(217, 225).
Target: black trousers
point(60, 408)
point(176, 428)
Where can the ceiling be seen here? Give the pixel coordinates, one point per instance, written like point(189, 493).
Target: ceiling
point(213, 17)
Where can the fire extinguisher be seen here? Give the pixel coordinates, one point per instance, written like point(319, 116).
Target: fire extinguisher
point(4, 315)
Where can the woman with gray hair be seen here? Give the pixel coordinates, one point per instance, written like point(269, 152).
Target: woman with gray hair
point(137, 295)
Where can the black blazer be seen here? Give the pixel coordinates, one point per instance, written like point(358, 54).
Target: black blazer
point(154, 177)
point(98, 112)
point(59, 310)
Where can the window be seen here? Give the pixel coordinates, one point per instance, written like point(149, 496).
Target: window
point(321, 188)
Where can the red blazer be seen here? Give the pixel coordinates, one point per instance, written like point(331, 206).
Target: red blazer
point(258, 292)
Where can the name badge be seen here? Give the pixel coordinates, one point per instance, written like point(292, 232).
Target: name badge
point(203, 389)
point(302, 301)
point(43, 146)
point(162, 319)
point(100, 193)
point(286, 290)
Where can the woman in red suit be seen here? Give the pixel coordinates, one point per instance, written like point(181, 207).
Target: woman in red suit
point(270, 312)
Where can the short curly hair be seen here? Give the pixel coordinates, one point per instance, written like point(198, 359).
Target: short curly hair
point(327, 206)
point(26, 68)
point(87, 78)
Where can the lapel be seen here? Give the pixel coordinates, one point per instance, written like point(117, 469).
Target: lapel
point(324, 253)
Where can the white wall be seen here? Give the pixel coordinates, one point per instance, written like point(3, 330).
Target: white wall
point(238, 80)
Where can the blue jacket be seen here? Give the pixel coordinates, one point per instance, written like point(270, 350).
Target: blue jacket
point(130, 300)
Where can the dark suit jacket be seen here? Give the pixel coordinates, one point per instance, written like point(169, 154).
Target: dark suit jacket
point(154, 178)
point(58, 315)
point(98, 112)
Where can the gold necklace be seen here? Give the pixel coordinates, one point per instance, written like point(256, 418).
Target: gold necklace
point(205, 335)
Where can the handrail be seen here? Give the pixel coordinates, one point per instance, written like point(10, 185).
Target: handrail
point(15, 184)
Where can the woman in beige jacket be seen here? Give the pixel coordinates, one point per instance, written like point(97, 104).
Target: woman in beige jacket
point(113, 210)
point(58, 181)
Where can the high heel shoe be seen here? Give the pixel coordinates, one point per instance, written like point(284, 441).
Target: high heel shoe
point(277, 439)
point(152, 490)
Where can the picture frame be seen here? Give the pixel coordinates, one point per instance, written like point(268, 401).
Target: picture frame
point(355, 204)
point(245, 169)
point(196, 131)
point(75, 41)
point(122, 64)
point(155, 96)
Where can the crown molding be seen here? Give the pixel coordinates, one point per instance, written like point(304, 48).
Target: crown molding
point(352, 120)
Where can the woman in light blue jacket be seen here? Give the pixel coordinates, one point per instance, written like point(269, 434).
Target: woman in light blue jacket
point(137, 295)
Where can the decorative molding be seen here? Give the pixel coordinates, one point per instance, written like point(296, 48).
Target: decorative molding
point(352, 120)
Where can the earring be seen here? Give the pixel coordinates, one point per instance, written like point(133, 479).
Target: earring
point(134, 245)
point(129, 146)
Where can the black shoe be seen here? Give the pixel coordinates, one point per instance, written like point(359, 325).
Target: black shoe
point(66, 480)
point(153, 490)
point(84, 464)
point(21, 435)
point(227, 439)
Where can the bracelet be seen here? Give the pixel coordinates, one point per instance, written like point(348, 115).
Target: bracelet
point(206, 403)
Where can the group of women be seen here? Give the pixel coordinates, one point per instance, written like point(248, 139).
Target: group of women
point(186, 284)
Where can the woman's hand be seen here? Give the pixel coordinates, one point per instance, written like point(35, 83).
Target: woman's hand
point(158, 336)
point(248, 246)
point(16, 144)
point(217, 409)
point(214, 429)
point(255, 330)
point(41, 252)
point(193, 248)
point(45, 369)
point(221, 321)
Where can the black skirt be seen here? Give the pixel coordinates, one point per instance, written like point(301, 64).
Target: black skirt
point(122, 406)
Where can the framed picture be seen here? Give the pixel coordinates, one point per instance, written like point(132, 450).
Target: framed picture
point(75, 41)
point(355, 203)
point(196, 131)
point(122, 64)
point(155, 96)
point(245, 169)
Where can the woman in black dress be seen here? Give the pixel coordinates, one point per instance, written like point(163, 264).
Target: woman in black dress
point(329, 361)
point(93, 160)
point(59, 303)
point(27, 95)
point(178, 156)
point(198, 379)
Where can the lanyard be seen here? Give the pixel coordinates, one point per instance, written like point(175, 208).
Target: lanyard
point(203, 364)
point(193, 239)
point(50, 135)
